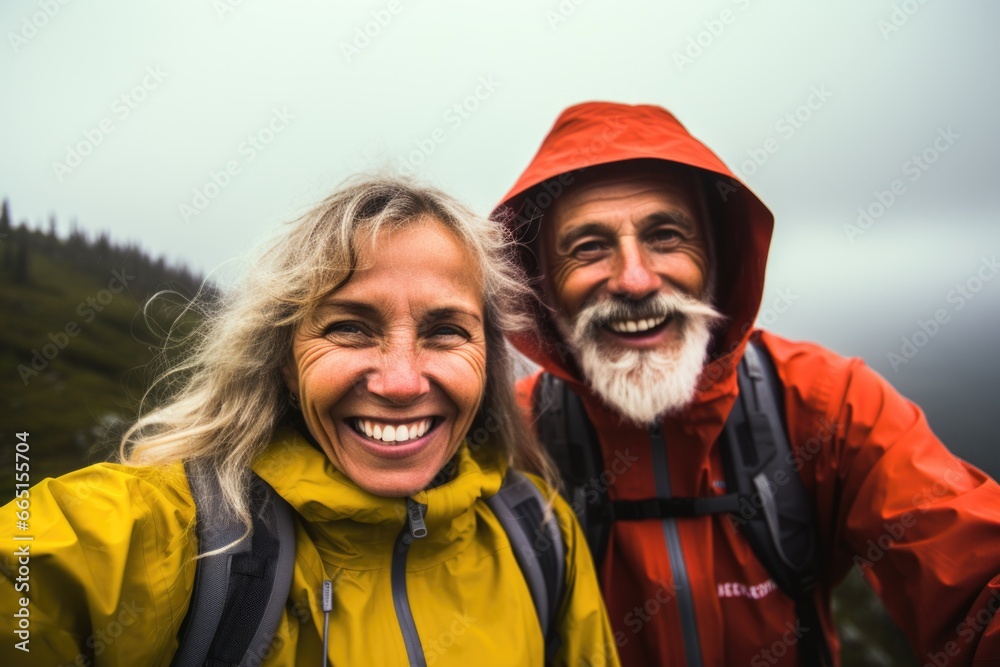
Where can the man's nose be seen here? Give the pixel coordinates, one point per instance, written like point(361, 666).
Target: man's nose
point(399, 375)
point(632, 276)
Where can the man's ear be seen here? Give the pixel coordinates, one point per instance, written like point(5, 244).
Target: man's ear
point(548, 291)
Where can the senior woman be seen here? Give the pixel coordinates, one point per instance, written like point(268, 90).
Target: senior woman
point(360, 371)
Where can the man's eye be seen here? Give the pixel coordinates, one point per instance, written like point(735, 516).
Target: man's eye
point(588, 249)
point(665, 235)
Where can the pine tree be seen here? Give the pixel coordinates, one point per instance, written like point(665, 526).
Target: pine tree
point(5, 236)
point(23, 238)
point(51, 238)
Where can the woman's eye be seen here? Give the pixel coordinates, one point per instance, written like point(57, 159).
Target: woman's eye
point(448, 330)
point(344, 328)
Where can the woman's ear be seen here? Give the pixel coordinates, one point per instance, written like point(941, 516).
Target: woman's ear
point(291, 375)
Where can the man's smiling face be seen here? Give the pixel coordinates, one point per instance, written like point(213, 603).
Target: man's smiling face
point(626, 257)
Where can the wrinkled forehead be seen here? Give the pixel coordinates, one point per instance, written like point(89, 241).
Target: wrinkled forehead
point(667, 174)
point(417, 259)
point(608, 189)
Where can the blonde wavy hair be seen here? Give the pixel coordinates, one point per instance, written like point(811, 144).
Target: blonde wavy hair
point(224, 400)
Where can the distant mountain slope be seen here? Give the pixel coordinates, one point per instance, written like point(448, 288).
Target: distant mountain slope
point(75, 346)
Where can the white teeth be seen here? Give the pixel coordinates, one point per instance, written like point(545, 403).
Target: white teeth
point(634, 326)
point(389, 433)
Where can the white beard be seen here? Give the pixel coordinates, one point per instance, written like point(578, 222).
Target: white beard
point(641, 385)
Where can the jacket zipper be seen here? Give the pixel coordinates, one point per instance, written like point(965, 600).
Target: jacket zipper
point(685, 601)
point(413, 529)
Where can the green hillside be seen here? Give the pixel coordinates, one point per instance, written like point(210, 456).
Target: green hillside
point(75, 347)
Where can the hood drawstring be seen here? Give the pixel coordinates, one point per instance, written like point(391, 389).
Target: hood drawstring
point(327, 608)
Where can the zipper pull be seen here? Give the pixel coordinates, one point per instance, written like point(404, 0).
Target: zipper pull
point(415, 516)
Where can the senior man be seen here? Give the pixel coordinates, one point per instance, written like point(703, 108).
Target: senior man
point(724, 499)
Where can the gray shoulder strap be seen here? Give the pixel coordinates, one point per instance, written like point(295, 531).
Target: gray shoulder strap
point(538, 546)
point(271, 550)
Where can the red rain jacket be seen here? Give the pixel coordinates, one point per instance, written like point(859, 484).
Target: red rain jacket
point(922, 525)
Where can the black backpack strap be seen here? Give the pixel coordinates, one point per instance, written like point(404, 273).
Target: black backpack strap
point(663, 508)
point(566, 432)
point(538, 546)
point(239, 594)
point(759, 465)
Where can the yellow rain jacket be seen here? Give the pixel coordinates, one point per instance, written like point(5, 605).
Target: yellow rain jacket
point(111, 570)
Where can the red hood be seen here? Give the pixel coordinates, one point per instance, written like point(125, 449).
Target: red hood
point(596, 133)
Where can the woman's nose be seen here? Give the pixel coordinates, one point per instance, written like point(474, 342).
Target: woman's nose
point(399, 376)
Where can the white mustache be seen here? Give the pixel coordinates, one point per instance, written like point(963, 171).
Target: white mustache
point(660, 305)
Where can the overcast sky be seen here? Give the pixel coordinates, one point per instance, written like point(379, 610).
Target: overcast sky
point(119, 113)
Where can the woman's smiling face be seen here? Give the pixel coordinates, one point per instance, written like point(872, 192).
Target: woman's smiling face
point(391, 368)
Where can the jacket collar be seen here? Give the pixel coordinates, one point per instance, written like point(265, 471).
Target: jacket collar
point(348, 524)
